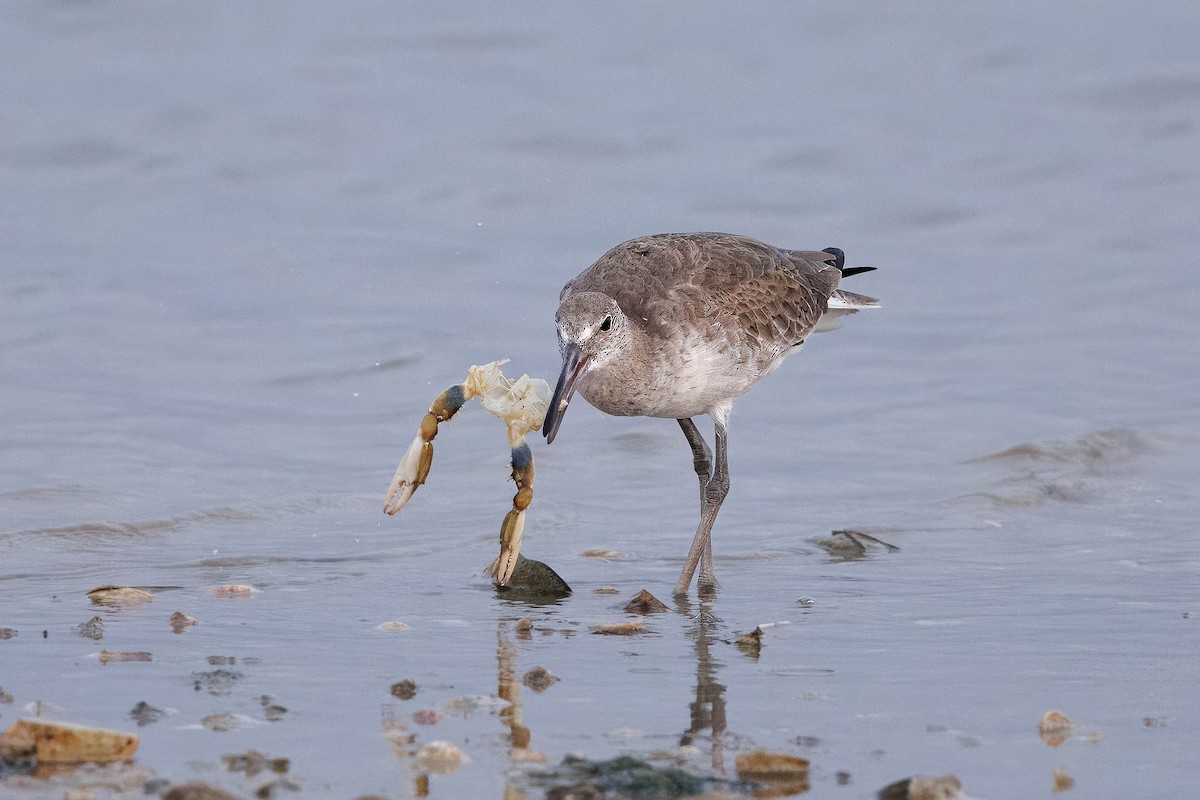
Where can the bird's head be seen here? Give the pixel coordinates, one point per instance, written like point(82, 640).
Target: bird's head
point(592, 330)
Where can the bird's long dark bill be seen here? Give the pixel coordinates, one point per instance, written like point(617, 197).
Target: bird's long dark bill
point(573, 361)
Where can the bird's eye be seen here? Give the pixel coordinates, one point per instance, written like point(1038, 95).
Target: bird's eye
point(606, 323)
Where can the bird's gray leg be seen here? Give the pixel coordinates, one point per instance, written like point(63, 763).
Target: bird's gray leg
point(701, 455)
point(702, 461)
point(713, 495)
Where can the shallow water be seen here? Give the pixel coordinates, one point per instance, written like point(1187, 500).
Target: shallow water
point(244, 246)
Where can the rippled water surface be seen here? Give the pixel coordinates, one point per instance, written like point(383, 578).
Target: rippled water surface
point(244, 245)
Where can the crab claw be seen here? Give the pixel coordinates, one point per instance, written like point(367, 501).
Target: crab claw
point(510, 545)
point(411, 473)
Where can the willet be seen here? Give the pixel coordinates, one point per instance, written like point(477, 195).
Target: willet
point(681, 324)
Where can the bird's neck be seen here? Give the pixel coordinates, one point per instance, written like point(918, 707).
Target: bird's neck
point(638, 354)
point(634, 358)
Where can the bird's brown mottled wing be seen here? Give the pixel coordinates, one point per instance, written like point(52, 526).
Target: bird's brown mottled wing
point(776, 296)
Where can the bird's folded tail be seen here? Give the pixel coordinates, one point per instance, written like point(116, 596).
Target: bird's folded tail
point(842, 303)
point(841, 300)
point(850, 301)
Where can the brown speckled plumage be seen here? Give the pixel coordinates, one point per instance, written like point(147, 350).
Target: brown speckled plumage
point(775, 295)
point(735, 303)
point(681, 324)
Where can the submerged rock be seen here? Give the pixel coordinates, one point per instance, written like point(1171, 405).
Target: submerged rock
point(60, 742)
point(605, 554)
point(92, 629)
point(404, 690)
point(224, 721)
point(850, 545)
point(119, 596)
point(534, 580)
point(393, 626)
point(1055, 728)
point(1063, 781)
point(620, 629)
point(272, 710)
point(624, 776)
point(236, 590)
point(217, 681)
point(645, 603)
point(277, 788)
point(144, 714)
point(920, 787)
point(780, 775)
point(253, 762)
point(195, 790)
point(539, 679)
point(110, 656)
point(751, 643)
point(180, 622)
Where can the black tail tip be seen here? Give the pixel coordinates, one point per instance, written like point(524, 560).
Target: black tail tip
point(838, 255)
point(840, 262)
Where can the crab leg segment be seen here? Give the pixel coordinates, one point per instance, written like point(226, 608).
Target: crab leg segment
point(414, 468)
point(514, 521)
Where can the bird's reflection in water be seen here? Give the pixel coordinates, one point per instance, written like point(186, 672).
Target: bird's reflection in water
point(707, 711)
point(707, 714)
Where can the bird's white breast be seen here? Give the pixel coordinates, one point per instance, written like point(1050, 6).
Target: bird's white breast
point(688, 377)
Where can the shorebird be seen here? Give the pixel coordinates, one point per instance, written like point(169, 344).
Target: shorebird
point(681, 324)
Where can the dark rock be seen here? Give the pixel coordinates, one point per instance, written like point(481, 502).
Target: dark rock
point(404, 690)
point(534, 581)
point(539, 679)
point(645, 603)
point(624, 776)
point(196, 790)
point(217, 681)
point(144, 714)
point(92, 629)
